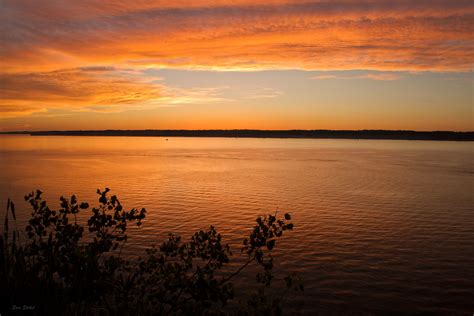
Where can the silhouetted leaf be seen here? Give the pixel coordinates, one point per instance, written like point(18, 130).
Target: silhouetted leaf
point(271, 244)
point(12, 208)
point(6, 225)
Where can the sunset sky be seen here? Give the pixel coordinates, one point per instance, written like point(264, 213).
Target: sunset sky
point(274, 64)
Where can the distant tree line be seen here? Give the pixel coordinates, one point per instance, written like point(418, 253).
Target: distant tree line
point(337, 134)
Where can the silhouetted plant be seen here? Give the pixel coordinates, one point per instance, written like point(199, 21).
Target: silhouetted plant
point(63, 269)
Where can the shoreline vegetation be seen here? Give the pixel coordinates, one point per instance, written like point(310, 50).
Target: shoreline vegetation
point(58, 266)
point(251, 133)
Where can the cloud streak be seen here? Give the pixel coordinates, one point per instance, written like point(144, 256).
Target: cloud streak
point(313, 35)
point(101, 88)
point(379, 76)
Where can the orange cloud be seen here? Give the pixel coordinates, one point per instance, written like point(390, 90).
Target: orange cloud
point(235, 35)
point(89, 88)
point(49, 49)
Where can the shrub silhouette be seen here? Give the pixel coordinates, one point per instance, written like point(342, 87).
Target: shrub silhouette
point(60, 268)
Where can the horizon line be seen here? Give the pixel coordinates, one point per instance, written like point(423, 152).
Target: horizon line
point(234, 129)
point(252, 133)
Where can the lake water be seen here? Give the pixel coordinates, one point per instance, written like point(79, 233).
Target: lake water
point(380, 226)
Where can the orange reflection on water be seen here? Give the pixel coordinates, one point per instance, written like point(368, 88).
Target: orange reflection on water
point(379, 219)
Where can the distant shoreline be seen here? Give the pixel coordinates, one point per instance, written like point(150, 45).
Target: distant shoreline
point(311, 134)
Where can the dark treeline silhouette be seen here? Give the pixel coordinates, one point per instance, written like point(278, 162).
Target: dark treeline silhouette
point(247, 133)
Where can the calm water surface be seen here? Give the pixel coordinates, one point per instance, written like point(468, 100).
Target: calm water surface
point(379, 225)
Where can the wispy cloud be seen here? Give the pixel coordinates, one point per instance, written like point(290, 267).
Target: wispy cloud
point(380, 76)
point(85, 88)
point(280, 34)
point(173, 96)
point(323, 77)
point(98, 89)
